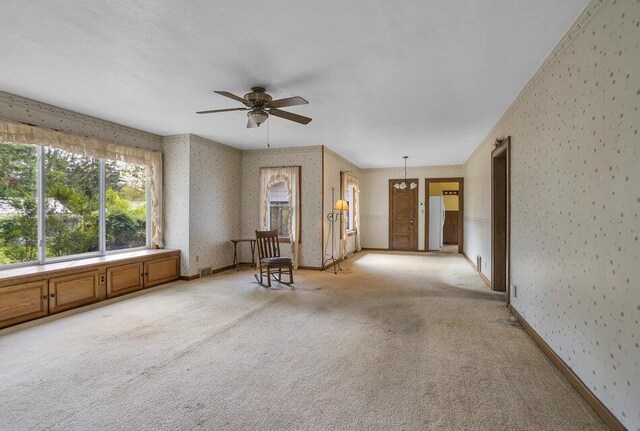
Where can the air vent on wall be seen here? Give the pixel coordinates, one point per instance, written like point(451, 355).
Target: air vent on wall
point(479, 263)
point(205, 271)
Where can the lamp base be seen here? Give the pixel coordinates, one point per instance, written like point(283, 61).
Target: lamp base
point(336, 264)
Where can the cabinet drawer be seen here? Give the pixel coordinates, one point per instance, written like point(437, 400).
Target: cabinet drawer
point(73, 290)
point(22, 302)
point(160, 271)
point(124, 279)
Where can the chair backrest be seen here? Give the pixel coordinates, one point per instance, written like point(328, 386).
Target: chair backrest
point(268, 243)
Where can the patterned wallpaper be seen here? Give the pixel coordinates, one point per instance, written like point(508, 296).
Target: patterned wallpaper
point(215, 187)
point(40, 114)
point(202, 186)
point(176, 197)
point(576, 202)
point(333, 165)
point(310, 160)
point(375, 199)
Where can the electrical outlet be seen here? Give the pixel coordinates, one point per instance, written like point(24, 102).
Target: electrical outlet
point(197, 258)
point(514, 289)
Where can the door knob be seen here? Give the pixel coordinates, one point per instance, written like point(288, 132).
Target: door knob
point(411, 221)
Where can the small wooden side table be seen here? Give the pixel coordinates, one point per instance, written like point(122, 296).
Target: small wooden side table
point(236, 264)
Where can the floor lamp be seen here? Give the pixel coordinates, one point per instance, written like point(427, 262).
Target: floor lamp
point(336, 212)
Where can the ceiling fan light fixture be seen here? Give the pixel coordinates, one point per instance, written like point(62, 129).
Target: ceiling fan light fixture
point(257, 116)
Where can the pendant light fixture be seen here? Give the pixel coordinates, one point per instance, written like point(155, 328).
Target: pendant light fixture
point(403, 184)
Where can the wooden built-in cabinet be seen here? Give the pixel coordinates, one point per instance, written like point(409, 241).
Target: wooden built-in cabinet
point(71, 291)
point(123, 279)
point(33, 292)
point(24, 301)
point(161, 270)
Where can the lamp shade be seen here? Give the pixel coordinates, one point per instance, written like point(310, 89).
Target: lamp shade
point(341, 205)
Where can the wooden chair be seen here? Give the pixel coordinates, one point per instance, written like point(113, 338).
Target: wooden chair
point(269, 258)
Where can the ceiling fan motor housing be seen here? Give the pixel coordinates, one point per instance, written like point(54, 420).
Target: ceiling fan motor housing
point(258, 97)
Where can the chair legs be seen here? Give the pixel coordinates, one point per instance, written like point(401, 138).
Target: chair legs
point(278, 278)
point(266, 272)
point(261, 279)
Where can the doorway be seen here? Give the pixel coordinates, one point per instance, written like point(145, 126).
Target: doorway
point(444, 215)
point(500, 210)
point(403, 215)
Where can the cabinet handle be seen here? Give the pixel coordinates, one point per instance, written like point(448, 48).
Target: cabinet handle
point(53, 295)
point(44, 296)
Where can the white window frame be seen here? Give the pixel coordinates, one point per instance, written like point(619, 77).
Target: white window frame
point(102, 234)
point(350, 219)
point(280, 237)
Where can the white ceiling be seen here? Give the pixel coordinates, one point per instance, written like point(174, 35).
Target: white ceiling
point(384, 78)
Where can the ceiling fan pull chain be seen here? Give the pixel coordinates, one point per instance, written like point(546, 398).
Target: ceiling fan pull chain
point(268, 145)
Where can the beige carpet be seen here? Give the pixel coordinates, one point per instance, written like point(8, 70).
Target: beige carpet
point(395, 341)
point(450, 248)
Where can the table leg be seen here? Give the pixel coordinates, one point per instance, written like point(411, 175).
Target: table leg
point(253, 254)
point(235, 256)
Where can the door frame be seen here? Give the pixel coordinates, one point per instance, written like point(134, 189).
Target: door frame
point(460, 181)
point(415, 211)
point(502, 148)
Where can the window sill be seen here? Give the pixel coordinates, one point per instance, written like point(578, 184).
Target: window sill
point(37, 270)
point(287, 240)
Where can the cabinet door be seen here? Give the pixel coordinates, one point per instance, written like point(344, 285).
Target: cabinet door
point(73, 290)
point(22, 302)
point(124, 279)
point(162, 270)
point(450, 229)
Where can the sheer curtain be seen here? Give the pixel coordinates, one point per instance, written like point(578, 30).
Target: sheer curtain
point(290, 176)
point(347, 180)
point(19, 133)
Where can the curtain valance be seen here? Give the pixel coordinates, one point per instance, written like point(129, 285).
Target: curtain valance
point(19, 133)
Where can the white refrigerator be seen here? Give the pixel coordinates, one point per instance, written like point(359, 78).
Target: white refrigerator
point(436, 223)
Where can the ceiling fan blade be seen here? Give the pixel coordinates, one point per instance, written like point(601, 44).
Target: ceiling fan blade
point(221, 110)
point(233, 96)
point(250, 124)
point(290, 116)
point(289, 101)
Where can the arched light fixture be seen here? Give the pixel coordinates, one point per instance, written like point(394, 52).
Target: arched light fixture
point(403, 184)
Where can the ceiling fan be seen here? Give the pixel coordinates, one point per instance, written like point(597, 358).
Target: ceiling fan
point(260, 105)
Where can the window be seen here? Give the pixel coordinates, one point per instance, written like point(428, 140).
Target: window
point(349, 213)
point(80, 205)
point(279, 208)
point(18, 204)
point(72, 199)
point(126, 205)
point(280, 204)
